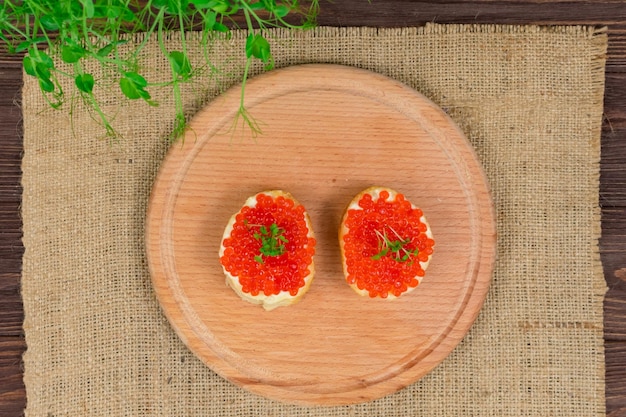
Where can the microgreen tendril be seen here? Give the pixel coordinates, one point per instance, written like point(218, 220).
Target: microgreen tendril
point(397, 247)
point(272, 241)
point(77, 31)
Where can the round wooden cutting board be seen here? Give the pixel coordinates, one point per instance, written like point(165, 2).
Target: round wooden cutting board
point(328, 132)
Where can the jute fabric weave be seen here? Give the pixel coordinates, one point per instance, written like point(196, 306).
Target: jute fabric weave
point(530, 101)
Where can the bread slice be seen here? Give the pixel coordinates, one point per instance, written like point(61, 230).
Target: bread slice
point(382, 258)
point(270, 280)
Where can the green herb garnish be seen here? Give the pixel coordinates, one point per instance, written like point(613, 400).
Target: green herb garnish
point(80, 32)
point(396, 247)
point(272, 241)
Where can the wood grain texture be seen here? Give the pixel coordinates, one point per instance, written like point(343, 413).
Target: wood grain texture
point(12, 344)
point(393, 13)
point(355, 126)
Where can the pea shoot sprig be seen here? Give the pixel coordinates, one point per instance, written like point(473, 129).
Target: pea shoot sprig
point(79, 32)
point(396, 246)
point(272, 241)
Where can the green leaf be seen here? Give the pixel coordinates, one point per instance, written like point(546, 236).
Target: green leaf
point(128, 15)
point(179, 63)
point(139, 80)
point(24, 45)
point(33, 64)
point(133, 86)
point(209, 19)
point(113, 12)
point(220, 27)
point(129, 88)
point(281, 11)
point(270, 240)
point(49, 22)
point(257, 46)
point(84, 82)
point(380, 254)
point(233, 9)
point(46, 85)
point(42, 70)
point(88, 7)
point(107, 12)
point(41, 57)
point(105, 50)
point(257, 6)
point(29, 66)
point(219, 6)
point(102, 11)
point(203, 4)
point(39, 39)
point(71, 54)
point(269, 5)
point(171, 6)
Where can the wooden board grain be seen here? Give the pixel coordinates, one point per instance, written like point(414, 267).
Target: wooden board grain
point(328, 132)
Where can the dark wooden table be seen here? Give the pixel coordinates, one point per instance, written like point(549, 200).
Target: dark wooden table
point(389, 13)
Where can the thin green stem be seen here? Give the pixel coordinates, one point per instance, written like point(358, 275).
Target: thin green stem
point(16, 30)
point(247, 11)
point(181, 25)
point(244, 80)
point(156, 25)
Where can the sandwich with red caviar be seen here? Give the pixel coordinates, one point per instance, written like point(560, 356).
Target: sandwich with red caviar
point(267, 250)
point(386, 244)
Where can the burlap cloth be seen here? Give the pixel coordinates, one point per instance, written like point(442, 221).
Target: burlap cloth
point(529, 99)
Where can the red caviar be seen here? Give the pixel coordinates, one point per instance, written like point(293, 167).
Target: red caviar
point(242, 256)
point(382, 272)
